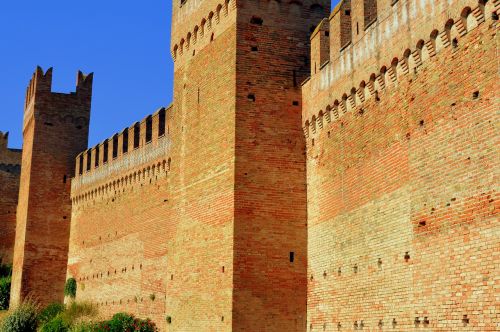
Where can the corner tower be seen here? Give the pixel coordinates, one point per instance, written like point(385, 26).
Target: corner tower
point(238, 164)
point(55, 130)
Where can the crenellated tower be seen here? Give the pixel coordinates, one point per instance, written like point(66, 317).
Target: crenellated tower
point(55, 130)
point(238, 159)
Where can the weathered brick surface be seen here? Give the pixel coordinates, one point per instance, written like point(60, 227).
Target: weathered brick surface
point(55, 131)
point(201, 236)
point(403, 206)
point(10, 170)
point(365, 199)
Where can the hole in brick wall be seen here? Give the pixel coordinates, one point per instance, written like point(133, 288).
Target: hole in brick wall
point(426, 321)
point(310, 327)
point(312, 277)
point(379, 263)
point(328, 134)
point(356, 326)
point(394, 323)
point(48, 124)
point(223, 269)
point(465, 320)
point(65, 179)
point(222, 319)
point(407, 256)
point(324, 274)
point(254, 48)
point(140, 267)
point(256, 20)
point(380, 324)
point(64, 217)
point(292, 256)
point(475, 95)
point(347, 12)
point(339, 325)
point(115, 271)
point(422, 223)
point(421, 123)
point(362, 324)
point(453, 199)
point(327, 33)
point(251, 97)
point(454, 43)
point(417, 321)
point(355, 268)
point(312, 142)
point(79, 127)
point(171, 277)
point(295, 103)
point(339, 271)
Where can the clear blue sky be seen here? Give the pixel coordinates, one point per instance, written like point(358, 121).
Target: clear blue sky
point(125, 44)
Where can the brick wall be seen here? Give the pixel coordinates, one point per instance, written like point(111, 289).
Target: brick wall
point(402, 192)
point(10, 169)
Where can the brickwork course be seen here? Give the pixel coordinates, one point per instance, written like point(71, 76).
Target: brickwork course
point(317, 170)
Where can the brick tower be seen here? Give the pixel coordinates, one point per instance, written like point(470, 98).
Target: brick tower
point(55, 130)
point(238, 159)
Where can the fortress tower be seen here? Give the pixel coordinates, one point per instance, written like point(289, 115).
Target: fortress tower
point(239, 164)
point(55, 130)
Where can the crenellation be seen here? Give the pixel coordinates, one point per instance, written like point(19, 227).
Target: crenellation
point(362, 199)
point(411, 60)
point(117, 154)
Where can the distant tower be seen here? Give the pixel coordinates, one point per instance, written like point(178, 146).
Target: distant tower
point(55, 130)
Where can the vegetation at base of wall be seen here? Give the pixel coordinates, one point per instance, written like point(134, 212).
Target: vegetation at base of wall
point(49, 312)
point(5, 282)
point(81, 317)
point(125, 322)
point(21, 319)
point(70, 288)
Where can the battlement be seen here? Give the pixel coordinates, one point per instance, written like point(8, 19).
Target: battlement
point(184, 43)
point(187, 40)
point(136, 145)
point(39, 90)
point(369, 52)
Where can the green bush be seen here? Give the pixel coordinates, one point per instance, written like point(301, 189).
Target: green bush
point(22, 319)
point(49, 312)
point(125, 322)
point(4, 292)
point(56, 324)
point(70, 288)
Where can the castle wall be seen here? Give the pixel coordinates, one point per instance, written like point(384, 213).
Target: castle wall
point(55, 130)
point(10, 170)
point(167, 232)
point(270, 240)
point(402, 182)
